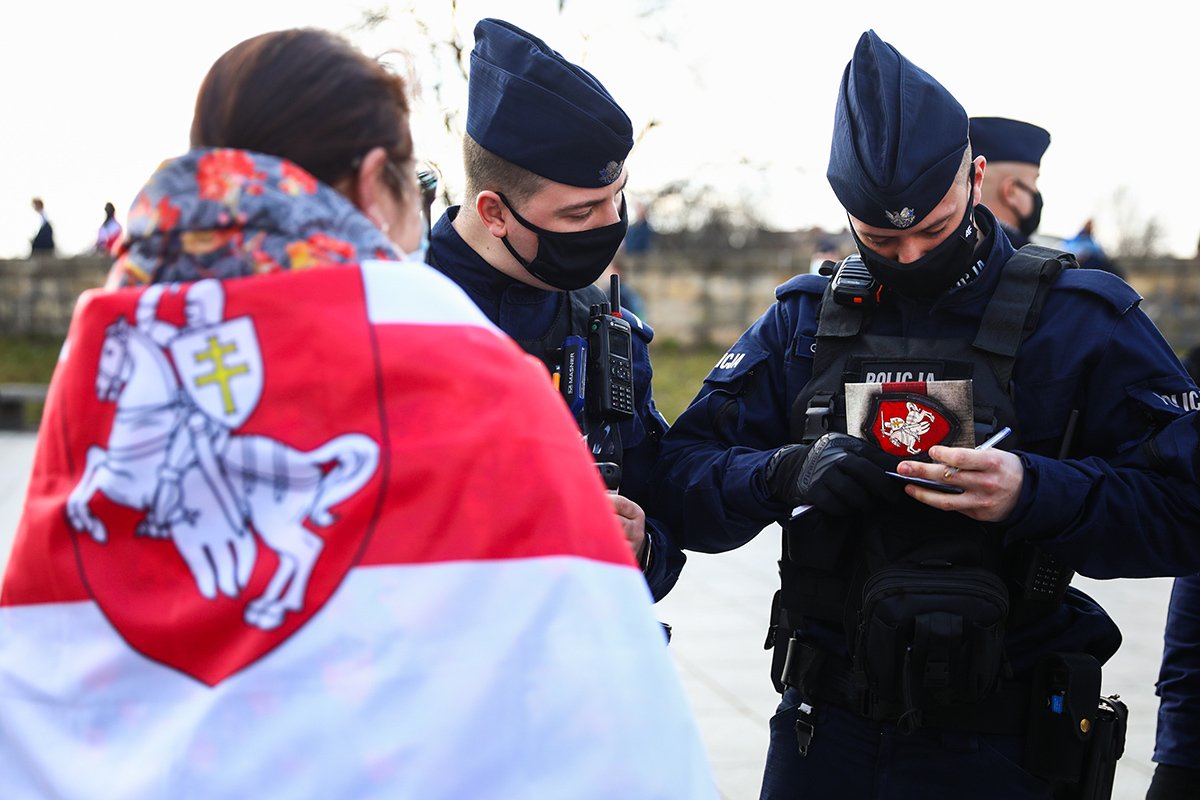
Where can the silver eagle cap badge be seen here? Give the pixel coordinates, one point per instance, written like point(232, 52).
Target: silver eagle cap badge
point(611, 171)
point(902, 218)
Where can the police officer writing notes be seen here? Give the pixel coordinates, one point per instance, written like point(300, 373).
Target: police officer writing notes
point(1013, 150)
point(545, 213)
point(927, 643)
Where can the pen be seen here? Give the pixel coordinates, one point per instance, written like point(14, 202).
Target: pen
point(991, 442)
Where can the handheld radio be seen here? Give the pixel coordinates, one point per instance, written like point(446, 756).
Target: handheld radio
point(605, 374)
point(610, 360)
point(854, 285)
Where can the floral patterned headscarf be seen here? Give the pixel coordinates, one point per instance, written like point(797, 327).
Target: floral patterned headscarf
point(225, 213)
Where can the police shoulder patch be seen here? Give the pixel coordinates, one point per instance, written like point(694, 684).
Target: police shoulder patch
point(640, 328)
point(738, 361)
point(807, 283)
point(1115, 292)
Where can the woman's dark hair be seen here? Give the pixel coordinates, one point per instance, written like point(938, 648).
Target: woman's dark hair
point(305, 95)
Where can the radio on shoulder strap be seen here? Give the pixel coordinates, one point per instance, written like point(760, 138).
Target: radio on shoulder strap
point(854, 285)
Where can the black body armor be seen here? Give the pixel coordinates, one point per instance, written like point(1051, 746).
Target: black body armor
point(924, 605)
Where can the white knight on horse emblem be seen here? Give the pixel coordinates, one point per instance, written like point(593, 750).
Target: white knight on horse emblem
point(173, 452)
point(907, 432)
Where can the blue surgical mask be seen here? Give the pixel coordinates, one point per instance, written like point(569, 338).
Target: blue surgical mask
point(418, 255)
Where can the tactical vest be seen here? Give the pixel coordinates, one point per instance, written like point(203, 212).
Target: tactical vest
point(832, 569)
point(572, 317)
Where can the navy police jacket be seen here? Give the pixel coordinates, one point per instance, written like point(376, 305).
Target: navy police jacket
point(1105, 511)
point(525, 312)
point(1178, 735)
point(1177, 739)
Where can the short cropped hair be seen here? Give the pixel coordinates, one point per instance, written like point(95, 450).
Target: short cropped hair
point(967, 164)
point(486, 171)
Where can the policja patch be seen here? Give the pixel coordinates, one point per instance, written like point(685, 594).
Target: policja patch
point(906, 419)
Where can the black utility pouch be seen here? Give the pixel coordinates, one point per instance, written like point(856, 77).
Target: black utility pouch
point(778, 635)
point(817, 555)
point(1062, 715)
point(929, 634)
point(1107, 746)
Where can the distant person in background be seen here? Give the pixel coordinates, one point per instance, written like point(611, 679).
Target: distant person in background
point(109, 234)
point(1013, 150)
point(827, 250)
point(631, 298)
point(640, 236)
point(1089, 252)
point(43, 241)
point(427, 180)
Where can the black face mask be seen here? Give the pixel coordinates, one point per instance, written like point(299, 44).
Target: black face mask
point(934, 272)
point(1030, 224)
point(570, 261)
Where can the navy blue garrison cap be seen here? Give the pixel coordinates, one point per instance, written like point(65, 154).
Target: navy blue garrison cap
point(1000, 139)
point(529, 105)
point(898, 138)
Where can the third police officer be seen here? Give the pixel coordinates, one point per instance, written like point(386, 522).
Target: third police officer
point(1013, 150)
point(927, 642)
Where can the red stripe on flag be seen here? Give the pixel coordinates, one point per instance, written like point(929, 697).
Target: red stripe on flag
point(486, 462)
point(912, 387)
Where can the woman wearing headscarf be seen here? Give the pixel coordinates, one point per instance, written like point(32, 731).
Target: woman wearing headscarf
point(286, 535)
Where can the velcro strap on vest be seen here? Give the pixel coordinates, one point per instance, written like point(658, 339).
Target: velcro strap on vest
point(838, 320)
point(834, 321)
point(1012, 313)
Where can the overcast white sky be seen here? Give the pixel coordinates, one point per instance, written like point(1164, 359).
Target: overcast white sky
point(96, 94)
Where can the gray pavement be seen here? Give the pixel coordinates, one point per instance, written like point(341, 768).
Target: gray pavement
point(719, 612)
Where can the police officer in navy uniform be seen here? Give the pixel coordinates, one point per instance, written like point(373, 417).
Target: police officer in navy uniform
point(545, 213)
point(1013, 150)
point(1177, 737)
point(926, 642)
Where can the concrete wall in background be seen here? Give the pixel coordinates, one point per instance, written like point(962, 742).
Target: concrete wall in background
point(694, 297)
point(710, 298)
point(1170, 288)
point(37, 295)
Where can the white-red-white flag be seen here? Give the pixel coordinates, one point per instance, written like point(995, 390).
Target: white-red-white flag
point(324, 534)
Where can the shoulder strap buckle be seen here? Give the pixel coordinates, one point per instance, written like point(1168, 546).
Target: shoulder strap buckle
point(816, 418)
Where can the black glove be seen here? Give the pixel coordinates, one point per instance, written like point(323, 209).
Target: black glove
point(838, 474)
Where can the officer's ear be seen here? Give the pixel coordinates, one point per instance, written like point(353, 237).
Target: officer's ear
point(980, 164)
point(490, 209)
point(1008, 190)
